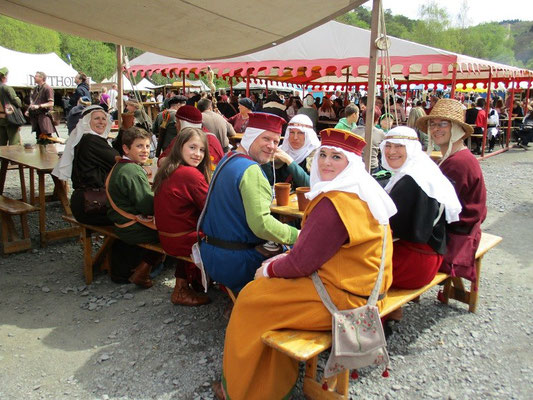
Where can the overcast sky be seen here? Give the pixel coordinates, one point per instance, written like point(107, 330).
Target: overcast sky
point(479, 10)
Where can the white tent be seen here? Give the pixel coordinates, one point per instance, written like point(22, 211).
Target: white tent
point(332, 54)
point(215, 29)
point(22, 68)
point(142, 86)
point(271, 86)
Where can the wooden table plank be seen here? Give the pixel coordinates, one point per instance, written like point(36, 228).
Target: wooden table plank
point(290, 211)
point(42, 159)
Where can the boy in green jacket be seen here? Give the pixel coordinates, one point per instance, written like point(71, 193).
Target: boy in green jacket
point(349, 122)
point(132, 201)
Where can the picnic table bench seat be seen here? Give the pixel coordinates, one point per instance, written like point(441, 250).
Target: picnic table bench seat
point(101, 258)
point(11, 240)
point(307, 345)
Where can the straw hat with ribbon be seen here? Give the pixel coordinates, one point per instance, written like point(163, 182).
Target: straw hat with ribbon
point(449, 109)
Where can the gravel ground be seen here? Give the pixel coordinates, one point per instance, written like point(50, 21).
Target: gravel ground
point(61, 339)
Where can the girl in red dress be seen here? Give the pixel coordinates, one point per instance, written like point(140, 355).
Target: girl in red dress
point(180, 188)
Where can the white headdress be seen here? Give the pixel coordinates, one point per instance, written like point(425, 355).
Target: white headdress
point(354, 179)
point(303, 123)
point(63, 169)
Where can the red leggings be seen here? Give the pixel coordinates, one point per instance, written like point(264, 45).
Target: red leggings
point(413, 264)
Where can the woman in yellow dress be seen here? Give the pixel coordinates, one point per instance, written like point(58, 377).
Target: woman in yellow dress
point(341, 239)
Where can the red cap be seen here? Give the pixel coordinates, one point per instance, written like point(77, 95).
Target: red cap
point(345, 140)
point(190, 114)
point(266, 122)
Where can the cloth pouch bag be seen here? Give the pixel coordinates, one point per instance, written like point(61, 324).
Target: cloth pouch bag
point(95, 201)
point(357, 334)
point(14, 115)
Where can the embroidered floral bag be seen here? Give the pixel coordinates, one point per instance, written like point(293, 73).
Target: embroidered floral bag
point(357, 334)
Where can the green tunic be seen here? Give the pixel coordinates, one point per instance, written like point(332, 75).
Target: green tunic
point(130, 190)
point(295, 174)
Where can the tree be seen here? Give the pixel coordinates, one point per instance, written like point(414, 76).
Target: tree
point(20, 36)
point(94, 58)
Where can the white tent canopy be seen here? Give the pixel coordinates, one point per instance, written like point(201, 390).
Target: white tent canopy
point(327, 54)
point(142, 86)
point(22, 68)
point(214, 29)
point(262, 86)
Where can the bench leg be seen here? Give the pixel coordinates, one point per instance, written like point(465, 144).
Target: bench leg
point(102, 257)
point(338, 385)
point(11, 241)
point(474, 287)
point(87, 255)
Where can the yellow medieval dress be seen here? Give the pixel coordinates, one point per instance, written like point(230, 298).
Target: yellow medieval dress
point(254, 371)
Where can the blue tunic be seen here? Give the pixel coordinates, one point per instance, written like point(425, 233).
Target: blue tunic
point(225, 219)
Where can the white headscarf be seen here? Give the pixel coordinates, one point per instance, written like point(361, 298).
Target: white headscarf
point(250, 134)
point(354, 179)
point(63, 169)
point(303, 123)
point(422, 169)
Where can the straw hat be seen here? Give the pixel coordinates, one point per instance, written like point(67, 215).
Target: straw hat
point(446, 109)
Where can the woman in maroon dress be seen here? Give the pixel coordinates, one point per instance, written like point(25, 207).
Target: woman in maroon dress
point(447, 129)
point(180, 187)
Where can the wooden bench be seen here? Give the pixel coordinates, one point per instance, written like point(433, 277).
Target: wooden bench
point(102, 257)
point(11, 240)
point(307, 345)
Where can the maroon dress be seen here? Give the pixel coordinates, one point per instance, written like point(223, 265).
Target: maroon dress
point(463, 236)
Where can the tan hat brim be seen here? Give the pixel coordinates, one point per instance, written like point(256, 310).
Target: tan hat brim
point(422, 124)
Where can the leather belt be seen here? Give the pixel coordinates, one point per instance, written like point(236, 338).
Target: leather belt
point(380, 297)
point(226, 244)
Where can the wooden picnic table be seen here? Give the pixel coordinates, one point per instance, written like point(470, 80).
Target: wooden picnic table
point(41, 159)
point(329, 122)
point(288, 211)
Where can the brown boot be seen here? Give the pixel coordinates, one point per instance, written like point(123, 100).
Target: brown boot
point(395, 315)
point(141, 275)
point(185, 296)
point(218, 391)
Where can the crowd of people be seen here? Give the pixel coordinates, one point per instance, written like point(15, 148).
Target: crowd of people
point(212, 198)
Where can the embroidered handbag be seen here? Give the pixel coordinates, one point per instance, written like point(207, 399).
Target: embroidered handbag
point(357, 335)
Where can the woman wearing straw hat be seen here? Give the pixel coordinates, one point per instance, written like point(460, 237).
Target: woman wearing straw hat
point(447, 129)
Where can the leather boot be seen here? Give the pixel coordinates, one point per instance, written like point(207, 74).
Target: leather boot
point(141, 275)
point(218, 391)
point(185, 296)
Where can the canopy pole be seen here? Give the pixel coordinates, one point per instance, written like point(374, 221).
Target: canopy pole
point(183, 82)
point(231, 86)
point(454, 81)
point(266, 87)
point(120, 84)
point(372, 75)
point(510, 112)
point(247, 84)
point(346, 87)
point(527, 95)
point(406, 97)
point(487, 110)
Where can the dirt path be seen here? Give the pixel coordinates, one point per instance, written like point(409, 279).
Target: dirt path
point(60, 339)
